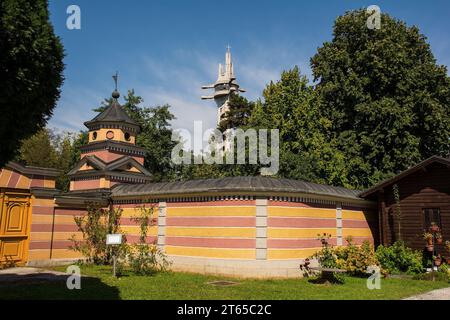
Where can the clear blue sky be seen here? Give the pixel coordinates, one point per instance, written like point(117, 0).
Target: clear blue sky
point(166, 50)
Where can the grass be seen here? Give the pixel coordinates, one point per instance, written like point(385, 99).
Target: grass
point(178, 286)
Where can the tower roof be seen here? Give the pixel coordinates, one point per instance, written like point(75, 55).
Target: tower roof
point(114, 114)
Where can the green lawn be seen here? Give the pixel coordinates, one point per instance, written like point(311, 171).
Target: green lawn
point(176, 285)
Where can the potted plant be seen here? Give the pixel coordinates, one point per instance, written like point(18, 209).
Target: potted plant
point(437, 260)
point(434, 227)
point(428, 237)
point(438, 236)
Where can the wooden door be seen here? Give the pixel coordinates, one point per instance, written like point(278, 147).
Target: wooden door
point(14, 227)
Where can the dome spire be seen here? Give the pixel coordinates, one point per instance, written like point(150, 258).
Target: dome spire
point(116, 93)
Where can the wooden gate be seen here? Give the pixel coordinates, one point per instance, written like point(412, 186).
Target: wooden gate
point(15, 220)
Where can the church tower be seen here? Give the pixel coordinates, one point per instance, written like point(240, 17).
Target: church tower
point(224, 87)
point(111, 155)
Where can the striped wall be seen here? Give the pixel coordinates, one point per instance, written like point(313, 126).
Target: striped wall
point(359, 223)
point(51, 229)
point(13, 179)
point(212, 229)
point(131, 229)
point(292, 228)
point(222, 229)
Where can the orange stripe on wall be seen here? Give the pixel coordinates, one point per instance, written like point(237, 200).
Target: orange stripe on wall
point(297, 243)
point(211, 221)
point(211, 242)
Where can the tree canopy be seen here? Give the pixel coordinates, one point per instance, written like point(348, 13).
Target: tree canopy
point(31, 71)
point(387, 99)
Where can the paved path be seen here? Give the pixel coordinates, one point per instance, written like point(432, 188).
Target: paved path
point(30, 275)
point(440, 294)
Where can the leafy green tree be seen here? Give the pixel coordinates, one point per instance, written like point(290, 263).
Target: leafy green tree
point(386, 97)
point(49, 150)
point(292, 106)
point(239, 112)
point(155, 136)
point(38, 150)
point(31, 71)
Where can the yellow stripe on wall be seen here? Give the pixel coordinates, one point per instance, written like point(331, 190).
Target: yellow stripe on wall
point(356, 232)
point(40, 254)
point(24, 182)
point(211, 211)
point(44, 254)
point(49, 183)
point(211, 252)
point(4, 177)
point(301, 212)
point(152, 231)
point(298, 232)
point(43, 202)
point(211, 232)
point(279, 254)
point(48, 219)
point(57, 236)
point(356, 215)
point(136, 212)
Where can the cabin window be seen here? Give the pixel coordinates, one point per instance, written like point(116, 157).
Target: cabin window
point(432, 215)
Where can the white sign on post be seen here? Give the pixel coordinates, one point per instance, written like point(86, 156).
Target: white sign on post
point(113, 239)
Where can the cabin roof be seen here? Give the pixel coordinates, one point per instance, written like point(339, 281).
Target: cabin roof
point(401, 175)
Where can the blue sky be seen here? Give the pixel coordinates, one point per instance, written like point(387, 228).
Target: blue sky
point(166, 50)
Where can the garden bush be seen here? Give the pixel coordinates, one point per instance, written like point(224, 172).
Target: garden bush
point(354, 259)
point(398, 258)
point(146, 258)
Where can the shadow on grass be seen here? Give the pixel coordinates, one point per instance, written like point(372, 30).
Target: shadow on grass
point(48, 286)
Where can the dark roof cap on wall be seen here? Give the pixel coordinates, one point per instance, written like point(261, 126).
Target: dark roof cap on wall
point(30, 170)
point(420, 165)
point(233, 184)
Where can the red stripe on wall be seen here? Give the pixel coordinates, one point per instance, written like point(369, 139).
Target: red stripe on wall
point(213, 203)
point(13, 179)
point(37, 181)
point(42, 210)
point(211, 221)
point(359, 240)
point(131, 222)
point(70, 212)
point(210, 242)
point(301, 222)
point(354, 224)
point(297, 243)
point(58, 228)
point(136, 239)
point(47, 245)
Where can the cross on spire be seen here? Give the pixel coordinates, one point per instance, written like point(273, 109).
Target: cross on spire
point(115, 77)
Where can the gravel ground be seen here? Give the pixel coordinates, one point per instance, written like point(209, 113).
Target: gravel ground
point(440, 294)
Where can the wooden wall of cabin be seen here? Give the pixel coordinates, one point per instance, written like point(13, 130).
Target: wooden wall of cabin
point(427, 188)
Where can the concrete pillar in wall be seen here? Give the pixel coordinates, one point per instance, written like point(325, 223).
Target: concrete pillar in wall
point(261, 228)
point(162, 209)
point(339, 224)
